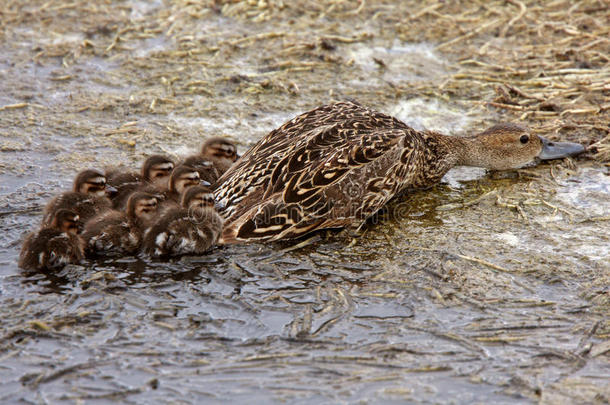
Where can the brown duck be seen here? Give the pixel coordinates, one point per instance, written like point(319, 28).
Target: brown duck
point(338, 164)
point(117, 233)
point(53, 246)
point(180, 180)
point(191, 229)
point(217, 153)
point(89, 197)
point(153, 178)
point(204, 167)
point(156, 171)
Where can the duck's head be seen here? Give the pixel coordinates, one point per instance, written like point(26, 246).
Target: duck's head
point(142, 206)
point(198, 196)
point(182, 178)
point(156, 170)
point(219, 148)
point(92, 182)
point(511, 146)
point(66, 221)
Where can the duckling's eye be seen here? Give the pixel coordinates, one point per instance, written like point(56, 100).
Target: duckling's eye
point(524, 139)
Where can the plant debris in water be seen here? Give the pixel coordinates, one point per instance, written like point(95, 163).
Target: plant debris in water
point(481, 289)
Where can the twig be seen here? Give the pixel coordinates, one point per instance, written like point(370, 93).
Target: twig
point(522, 11)
point(484, 262)
point(469, 34)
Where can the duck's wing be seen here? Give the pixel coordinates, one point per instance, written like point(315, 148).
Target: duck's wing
point(287, 193)
point(348, 113)
point(336, 126)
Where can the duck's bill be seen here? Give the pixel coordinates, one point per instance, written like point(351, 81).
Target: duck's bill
point(110, 191)
point(558, 150)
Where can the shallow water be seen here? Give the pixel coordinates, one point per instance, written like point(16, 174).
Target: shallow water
point(411, 320)
point(481, 289)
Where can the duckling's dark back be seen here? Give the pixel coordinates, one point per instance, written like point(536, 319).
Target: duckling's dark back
point(49, 249)
point(182, 231)
point(86, 206)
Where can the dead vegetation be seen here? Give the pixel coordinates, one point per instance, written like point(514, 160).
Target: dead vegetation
point(546, 64)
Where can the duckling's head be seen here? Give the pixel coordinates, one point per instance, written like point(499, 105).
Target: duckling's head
point(198, 196)
point(156, 170)
point(511, 146)
point(66, 221)
point(183, 177)
point(142, 206)
point(218, 148)
point(92, 182)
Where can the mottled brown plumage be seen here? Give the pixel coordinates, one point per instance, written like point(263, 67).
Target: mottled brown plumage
point(87, 198)
point(118, 233)
point(53, 246)
point(221, 152)
point(181, 179)
point(153, 178)
point(339, 164)
point(192, 228)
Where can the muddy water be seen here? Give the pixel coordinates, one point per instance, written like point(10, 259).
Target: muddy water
point(485, 288)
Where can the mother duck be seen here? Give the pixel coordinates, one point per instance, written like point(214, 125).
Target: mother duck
point(338, 164)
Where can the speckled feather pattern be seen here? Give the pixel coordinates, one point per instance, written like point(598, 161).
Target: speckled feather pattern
point(50, 249)
point(112, 233)
point(181, 231)
point(86, 206)
point(330, 167)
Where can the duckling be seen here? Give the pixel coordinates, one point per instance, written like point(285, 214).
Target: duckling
point(117, 177)
point(153, 179)
point(117, 233)
point(180, 180)
point(87, 198)
point(192, 229)
point(53, 246)
point(125, 183)
point(206, 169)
point(337, 165)
point(156, 171)
point(220, 151)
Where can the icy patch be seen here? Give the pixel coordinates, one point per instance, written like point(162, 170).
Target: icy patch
point(431, 114)
point(140, 9)
point(509, 238)
point(462, 174)
point(204, 125)
point(59, 39)
point(402, 62)
point(151, 45)
point(248, 132)
point(272, 121)
point(196, 130)
point(589, 191)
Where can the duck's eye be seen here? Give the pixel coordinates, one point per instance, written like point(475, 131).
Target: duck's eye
point(524, 139)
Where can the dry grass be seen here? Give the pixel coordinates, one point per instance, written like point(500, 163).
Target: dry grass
point(544, 64)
